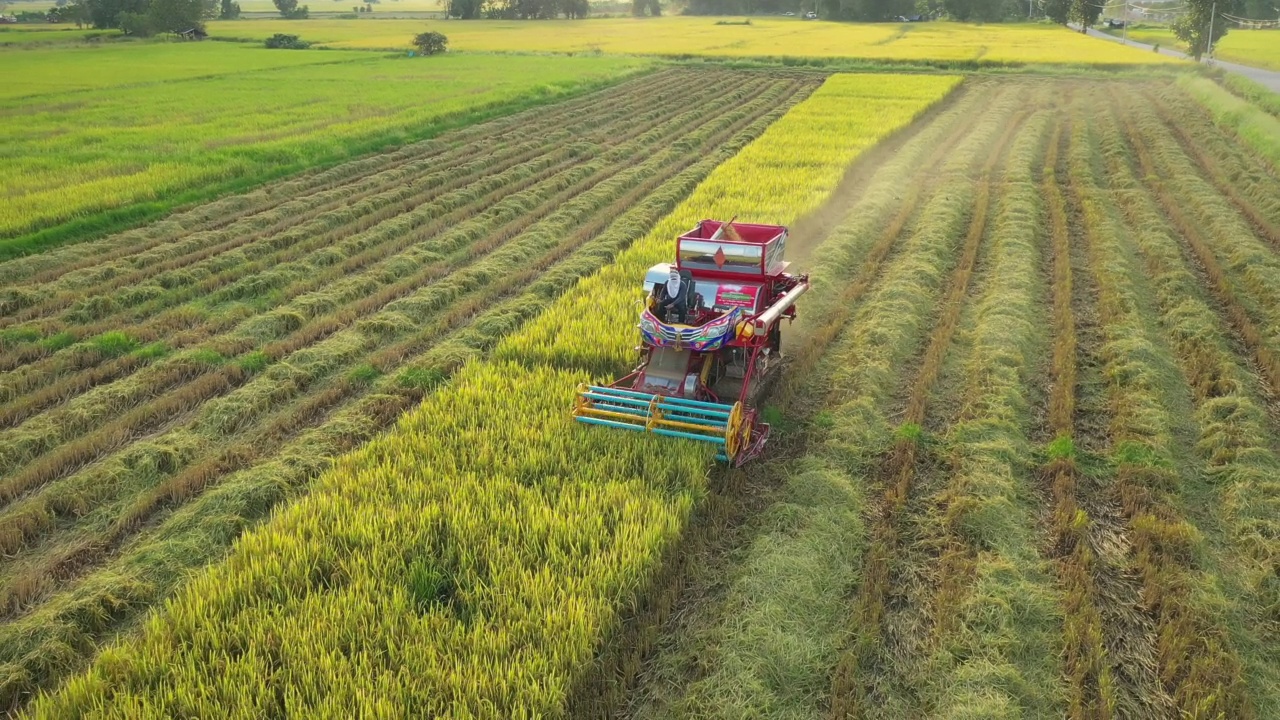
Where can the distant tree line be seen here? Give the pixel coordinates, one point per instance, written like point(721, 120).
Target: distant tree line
point(518, 9)
point(1079, 12)
point(143, 18)
point(870, 10)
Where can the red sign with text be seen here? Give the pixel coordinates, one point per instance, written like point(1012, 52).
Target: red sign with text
point(743, 296)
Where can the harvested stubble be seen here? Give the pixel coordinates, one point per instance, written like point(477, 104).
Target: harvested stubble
point(1252, 124)
point(1091, 686)
point(1248, 181)
point(283, 425)
point(488, 544)
point(1197, 664)
point(1236, 499)
point(996, 613)
point(977, 621)
point(870, 678)
point(1243, 270)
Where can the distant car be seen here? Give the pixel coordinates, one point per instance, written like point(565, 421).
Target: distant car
point(811, 15)
point(789, 14)
point(8, 20)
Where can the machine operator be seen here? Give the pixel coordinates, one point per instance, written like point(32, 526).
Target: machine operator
point(673, 302)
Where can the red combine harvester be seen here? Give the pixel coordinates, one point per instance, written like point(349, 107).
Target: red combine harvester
point(705, 362)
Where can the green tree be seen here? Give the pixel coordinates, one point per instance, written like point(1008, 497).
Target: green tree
point(1259, 9)
point(175, 16)
point(430, 43)
point(1193, 27)
point(77, 12)
point(289, 9)
point(575, 9)
point(108, 13)
point(1086, 13)
point(280, 41)
point(1059, 11)
point(230, 10)
point(134, 24)
point(466, 9)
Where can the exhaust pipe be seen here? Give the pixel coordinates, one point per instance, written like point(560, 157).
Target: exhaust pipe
point(775, 311)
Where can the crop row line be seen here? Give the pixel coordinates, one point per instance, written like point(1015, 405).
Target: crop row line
point(1091, 690)
point(447, 537)
point(379, 300)
point(245, 210)
point(1229, 173)
point(1232, 423)
point(358, 251)
point(635, 184)
point(1195, 662)
point(624, 224)
point(995, 613)
point(872, 213)
point(1111, 643)
point(960, 203)
point(313, 330)
point(405, 190)
point(283, 249)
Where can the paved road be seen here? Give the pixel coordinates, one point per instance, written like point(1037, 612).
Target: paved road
point(1267, 78)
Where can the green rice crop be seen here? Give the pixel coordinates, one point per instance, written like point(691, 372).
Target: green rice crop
point(173, 135)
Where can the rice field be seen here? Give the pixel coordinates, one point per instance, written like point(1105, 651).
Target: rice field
point(938, 42)
point(166, 387)
point(139, 130)
point(305, 449)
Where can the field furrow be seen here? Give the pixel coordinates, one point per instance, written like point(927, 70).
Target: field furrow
point(1091, 683)
point(870, 677)
point(1110, 639)
point(1244, 270)
point(1195, 660)
point(1232, 499)
point(476, 287)
point(49, 446)
point(1241, 177)
point(991, 609)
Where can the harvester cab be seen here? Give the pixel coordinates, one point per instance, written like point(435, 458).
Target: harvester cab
point(704, 363)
